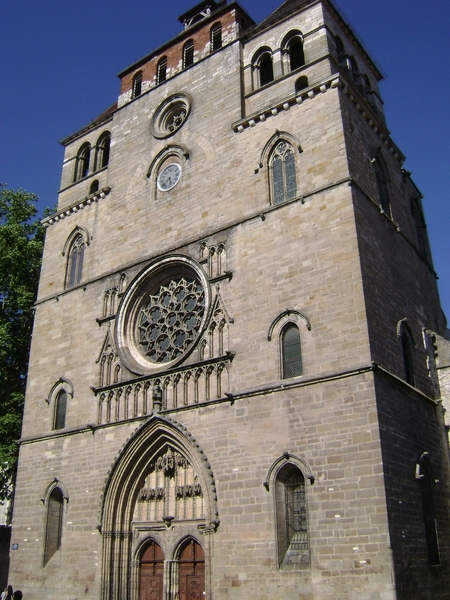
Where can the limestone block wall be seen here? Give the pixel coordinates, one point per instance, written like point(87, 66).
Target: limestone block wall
point(402, 284)
point(72, 191)
point(317, 68)
point(411, 425)
point(302, 255)
point(350, 273)
point(333, 426)
point(232, 20)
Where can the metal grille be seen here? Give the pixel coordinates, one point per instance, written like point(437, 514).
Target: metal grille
point(162, 70)
point(293, 544)
point(216, 38)
point(54, 524)
point(188, 54)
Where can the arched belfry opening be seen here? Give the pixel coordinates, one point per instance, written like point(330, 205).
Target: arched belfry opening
point(159, 511)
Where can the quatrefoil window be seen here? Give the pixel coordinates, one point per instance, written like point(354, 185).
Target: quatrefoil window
point(170, 322)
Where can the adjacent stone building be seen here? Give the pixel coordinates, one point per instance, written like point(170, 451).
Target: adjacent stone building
point(233, 391)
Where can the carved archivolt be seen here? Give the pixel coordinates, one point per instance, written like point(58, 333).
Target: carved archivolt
point(161, 480)
point(171, 489)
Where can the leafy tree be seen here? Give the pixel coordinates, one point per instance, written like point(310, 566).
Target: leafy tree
point(21, 245)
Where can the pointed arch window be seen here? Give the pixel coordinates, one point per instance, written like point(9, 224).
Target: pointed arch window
point(152, 572)
point(291, 351)
point(59, 421)
point(408, 345)
point(339, 48)
point(137, 85)
point(291, 517)
point(75, 261)
point(216, 37)
point(103, 148)
point(382, 179)
point(283, 175)
point(407, 358)
point(161, 70)
point(425, 476)
point(53, 530)
point(352, 67)
point(188, 54)
point(82, 162)
point(421, 229)
point(296, 53)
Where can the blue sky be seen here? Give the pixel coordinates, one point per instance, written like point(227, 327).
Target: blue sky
point(59, 62)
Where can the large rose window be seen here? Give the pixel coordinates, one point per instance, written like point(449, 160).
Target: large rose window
point(162, 315)
point(170, 322)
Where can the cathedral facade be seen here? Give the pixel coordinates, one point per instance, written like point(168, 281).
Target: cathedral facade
point(233, 391)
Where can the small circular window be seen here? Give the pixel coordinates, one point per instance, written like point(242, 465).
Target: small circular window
point(162, 315)
point(170, 115)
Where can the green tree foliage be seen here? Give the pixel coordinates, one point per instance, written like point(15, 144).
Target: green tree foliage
point(21, 244)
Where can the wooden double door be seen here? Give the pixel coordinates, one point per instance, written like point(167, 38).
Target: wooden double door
point(191, 583)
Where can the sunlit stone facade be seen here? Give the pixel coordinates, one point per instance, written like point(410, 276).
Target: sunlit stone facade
point(232, 390)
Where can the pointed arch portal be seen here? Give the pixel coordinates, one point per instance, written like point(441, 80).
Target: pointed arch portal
point(158, 512)
point(151, 584)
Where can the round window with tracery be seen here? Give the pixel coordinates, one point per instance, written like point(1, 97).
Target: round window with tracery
point(170, 322)
point(170, 115)
point(162, 315)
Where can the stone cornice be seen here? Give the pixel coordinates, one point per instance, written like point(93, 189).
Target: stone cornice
point(285, 104)
point(76, 206)
point(333, 82)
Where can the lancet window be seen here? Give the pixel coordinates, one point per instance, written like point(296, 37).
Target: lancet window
point(59, 421)
point(161, 70)
point(103, 148)
point(265, 66)
point(291, 351)
point(382, 178)
point(188, 54)
point(75, 261)
point(282, 173)
point(216, 37)
point(53, 530)
point(291, 516)
point(424, 474)
point(82, 162)
point(137, 84)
